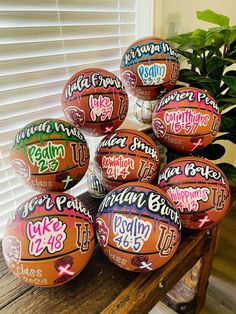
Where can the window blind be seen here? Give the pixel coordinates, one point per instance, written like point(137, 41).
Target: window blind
point(42, 44)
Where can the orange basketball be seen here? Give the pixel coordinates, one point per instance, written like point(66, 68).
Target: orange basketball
point(50, 155)
point(199, 189)
point(126, 155)
point(49, 239)
point(138, 227)
point(186, 119)
point(95, 101)
point(149, 68)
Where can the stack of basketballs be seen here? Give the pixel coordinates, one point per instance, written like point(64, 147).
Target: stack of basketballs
point(50, 237)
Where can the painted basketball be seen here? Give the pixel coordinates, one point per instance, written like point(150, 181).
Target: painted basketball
point(49, 239)
point(149, 68)
point(50, 155)
point(138, 227)
point(199, 189)
point(186, 119)
point(126, 155)
point(95, 101)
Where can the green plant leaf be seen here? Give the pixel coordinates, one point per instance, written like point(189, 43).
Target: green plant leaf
point(217, 37)
point(198, 36)
point(215, 66)
point(213, 17)
point(230, 173)
point(230, 81)
point(212, 151)
point(230, 60)
point(229, 100)
point(231, 52)
point(232, 36)
point(180, 39)
point(227, 137)
point(227, 123)
point(192, 59)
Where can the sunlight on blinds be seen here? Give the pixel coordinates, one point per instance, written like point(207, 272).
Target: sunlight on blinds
point(43, 43)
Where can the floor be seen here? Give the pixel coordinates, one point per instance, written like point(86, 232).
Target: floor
point(221, 293)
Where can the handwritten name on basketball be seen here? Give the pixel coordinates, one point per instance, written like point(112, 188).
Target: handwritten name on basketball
point(46, 234)
point(169, 173)
point(152, 74)
point(187, 199)
point(148, 49)
point(191, 170)
point(114, 141)
point(95, 80)
point(131, 232)
point(151, 201)
point(190, 96)
point(48, 127)
point(61, 203)
point(46, 157)
point(187, 120)
point(141, 146)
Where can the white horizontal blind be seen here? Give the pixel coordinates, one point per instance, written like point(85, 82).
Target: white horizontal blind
point(42, 43)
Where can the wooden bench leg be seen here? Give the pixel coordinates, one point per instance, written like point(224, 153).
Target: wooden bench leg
point(205, 271)
point(189, 294)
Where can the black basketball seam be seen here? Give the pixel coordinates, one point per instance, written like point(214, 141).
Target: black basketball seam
point(123, 181)
point(151, 189)
point(155, 86)
point(192, 160)
point(197, 212)
point(107, 121)
point(135, 214)
point(136, 253)
point(151, 142)
point(127, 154)
point(52, 257)
point(184, 107)
point(142, 61)
point(52, 173)
point(121, 92)
point(198, 182)
point(59, 215)
point(52, 139)
point(186, 135)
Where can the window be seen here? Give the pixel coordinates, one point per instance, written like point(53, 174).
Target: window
point(42, 44)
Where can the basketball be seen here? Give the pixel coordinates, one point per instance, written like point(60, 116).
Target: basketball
point(186, 119)
point(95, 101)
point(199, 189)
point(138, 227)
point(48, 240)
point(126, 155)
point(50, 155)
point(149, 68)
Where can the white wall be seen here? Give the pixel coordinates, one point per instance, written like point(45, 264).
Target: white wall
point(176, 17)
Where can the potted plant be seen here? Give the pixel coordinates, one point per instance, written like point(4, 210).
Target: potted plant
point(211, 55)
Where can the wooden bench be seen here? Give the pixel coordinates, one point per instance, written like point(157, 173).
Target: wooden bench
point(103, 287)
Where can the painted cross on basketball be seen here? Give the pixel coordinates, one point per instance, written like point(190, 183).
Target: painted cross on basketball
point(199, 189)
point(95, 101)
point(50, 155)
point(126, 155)
point(49, 239)
point(138, 227)
point(186, 119)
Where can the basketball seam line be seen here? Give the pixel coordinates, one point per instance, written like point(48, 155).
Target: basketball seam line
point(52, 257)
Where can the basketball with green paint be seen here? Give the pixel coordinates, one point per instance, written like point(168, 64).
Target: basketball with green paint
point(49, 155)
